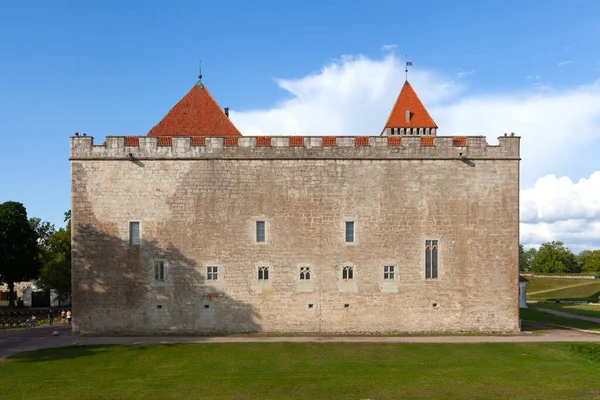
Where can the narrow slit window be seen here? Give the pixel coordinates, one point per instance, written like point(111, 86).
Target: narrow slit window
point(304, 273)
point(159, 270)
point(134, 233)
point(389, 272)
point(263, 273)
point(431, 259)
point(212, 273)
point(348, 272)
point(260, 231)
point(349, 231)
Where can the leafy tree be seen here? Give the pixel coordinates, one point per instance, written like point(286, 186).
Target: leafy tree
point(555, 257)
point(525, 258)
point(43, 229)
point(19, 259)
point(590, 260)
point(56, 271)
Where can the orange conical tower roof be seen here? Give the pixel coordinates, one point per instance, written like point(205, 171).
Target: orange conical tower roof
point(196, 114)
point(409, 112)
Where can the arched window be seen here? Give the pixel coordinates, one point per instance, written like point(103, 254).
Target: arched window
point(347, 272)
point(263, 273)
point(431, 259)
point(304, 273)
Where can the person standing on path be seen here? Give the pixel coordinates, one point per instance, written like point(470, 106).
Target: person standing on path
point(63, 316)
point(50, 317)
point(69, 316)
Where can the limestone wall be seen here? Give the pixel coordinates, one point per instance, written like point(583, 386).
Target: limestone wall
point(198, 205)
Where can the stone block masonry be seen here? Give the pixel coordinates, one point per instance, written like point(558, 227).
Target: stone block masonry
point(198, 203)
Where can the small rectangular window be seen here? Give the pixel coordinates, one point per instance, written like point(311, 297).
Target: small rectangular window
point(348, 272)
point(159, 270)
point(349, 231)
point(304, 273)
point(212, 273)
point(431, 259)
point(260, 231)
point(389, 272)
point(134, 233)
point(263, 273)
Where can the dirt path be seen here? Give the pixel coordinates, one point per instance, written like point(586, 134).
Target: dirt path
point(562, 287)
point(14, 341)
point(568, 315)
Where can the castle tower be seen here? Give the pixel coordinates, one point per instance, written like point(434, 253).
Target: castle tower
point(196, 114)
point(409, 117)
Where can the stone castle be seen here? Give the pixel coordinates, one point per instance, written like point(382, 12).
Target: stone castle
point(196, 229)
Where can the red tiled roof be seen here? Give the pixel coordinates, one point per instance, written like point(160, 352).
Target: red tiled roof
point(196, 114)
point(408, 100)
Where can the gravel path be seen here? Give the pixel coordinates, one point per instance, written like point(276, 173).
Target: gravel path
point(14, 341)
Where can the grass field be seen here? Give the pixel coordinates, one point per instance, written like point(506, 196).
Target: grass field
point(589, 292)
point(537, 284)
point(533, 315)
point(307, 371)
point(583, 310)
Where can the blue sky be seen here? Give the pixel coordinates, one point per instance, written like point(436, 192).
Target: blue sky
point(115, 68)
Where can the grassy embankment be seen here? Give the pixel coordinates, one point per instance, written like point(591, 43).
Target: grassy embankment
point(307, 371)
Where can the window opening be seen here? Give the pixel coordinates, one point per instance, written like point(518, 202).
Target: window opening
point(431, 259)
point(348, 272)
point(263, 273)
point(349, 231)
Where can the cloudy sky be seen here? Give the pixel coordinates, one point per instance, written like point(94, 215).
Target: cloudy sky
point(312, 68)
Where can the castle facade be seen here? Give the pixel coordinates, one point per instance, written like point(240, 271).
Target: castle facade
point(196, 229)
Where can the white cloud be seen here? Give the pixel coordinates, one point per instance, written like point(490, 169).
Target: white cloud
point(560, 209)
point(560, 64)
point(354, 95)
point(389, 47)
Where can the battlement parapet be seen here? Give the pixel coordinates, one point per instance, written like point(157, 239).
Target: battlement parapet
point(294, 147)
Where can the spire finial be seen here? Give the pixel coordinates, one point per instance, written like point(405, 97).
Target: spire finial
point(199, 83)
point(408, 64)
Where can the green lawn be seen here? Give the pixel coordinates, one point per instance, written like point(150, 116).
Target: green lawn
point(536, 284)
point(306, 371)
point(588, 292)
point(577, 309)
point(531, 314)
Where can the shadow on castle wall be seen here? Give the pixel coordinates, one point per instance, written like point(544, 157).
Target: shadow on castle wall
point(115, 290)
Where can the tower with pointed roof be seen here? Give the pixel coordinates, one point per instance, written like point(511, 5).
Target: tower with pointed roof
point(409, 117)
point(196, 114)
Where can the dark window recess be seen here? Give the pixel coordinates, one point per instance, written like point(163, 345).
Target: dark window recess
point(159, 306)
point(260, 231)
point(346, 305)
point(431, 259)
point(159, 270)
point(349, 231)
point(134, 233)
point(206, 306)
point(311, 305)
point(348, 272)
point(263, 273)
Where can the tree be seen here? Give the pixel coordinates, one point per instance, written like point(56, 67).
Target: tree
point(19, 259)
point(525, 258)
point(555, 257)
point(56, 271)
point(590, 260)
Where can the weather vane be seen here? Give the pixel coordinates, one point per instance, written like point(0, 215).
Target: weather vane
point(408, 64)
point(200, 75)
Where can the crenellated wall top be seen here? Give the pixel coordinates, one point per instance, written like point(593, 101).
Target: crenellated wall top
point(294, 147)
